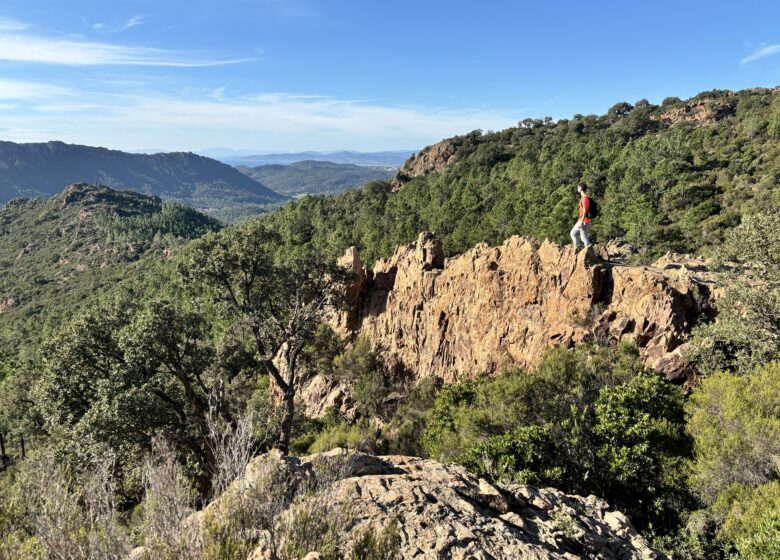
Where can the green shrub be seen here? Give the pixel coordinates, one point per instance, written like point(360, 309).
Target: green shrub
point(695, 538)
point(735, 423)
point(590, 420)
point(559, 393)
point(746, 332)
point(373, 544)
point(441, 435)
point(641, 449)
point(403, 434)
point(522, 455)
point(752, 524)
point(360, 436)
point(359, 366)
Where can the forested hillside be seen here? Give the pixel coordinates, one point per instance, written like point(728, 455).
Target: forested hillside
point(58, 253)
point(146, 354)
point(29, 170)
point(314, 177)
point(668, 177)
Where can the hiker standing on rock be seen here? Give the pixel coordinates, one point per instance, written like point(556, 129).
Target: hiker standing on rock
point(582, 227)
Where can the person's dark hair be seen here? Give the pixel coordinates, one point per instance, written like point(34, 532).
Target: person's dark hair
point(582, 186)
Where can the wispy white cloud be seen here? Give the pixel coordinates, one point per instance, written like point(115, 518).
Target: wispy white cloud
point(19, 45)
point(23, 90)
point(134, 21)
point(274, 121)
point(761, 53)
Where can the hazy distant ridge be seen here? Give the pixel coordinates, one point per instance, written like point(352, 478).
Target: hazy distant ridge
point(43, 169)
point(378, 159)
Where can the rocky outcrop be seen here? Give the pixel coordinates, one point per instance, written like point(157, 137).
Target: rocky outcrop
point(494, 307)
point(431, 159)
point(443, 511)
point(9, 302)
point(700, 113)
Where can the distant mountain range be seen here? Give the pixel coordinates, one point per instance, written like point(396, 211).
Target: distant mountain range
point(315, 177)
point(377, 159)
point(44, 169)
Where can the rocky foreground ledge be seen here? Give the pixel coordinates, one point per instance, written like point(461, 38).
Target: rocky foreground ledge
point(443, 511)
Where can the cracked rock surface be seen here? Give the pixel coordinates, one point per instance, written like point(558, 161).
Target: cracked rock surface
point(496, 307)
point(444, 512)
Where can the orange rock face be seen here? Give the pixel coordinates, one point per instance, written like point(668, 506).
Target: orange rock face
point(493, 307)
point(431, 159)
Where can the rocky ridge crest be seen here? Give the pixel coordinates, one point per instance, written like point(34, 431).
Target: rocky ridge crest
point(496, 307)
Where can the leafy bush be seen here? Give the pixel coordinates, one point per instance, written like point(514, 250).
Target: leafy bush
point(122, 371)
point(752, 524)
point(641, 449)
point(360, 436)
point(359, 366)
point(587, 421)
point(735, 423)
point(746, 332)
point(403, 434)
point(522, 455)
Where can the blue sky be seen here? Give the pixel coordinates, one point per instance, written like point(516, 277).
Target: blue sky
point(277, 75)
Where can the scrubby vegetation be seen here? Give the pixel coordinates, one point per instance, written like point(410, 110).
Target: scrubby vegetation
point(589, 422)
point(241, 212)
point(660, 186)
point(58, 253)
point(137, 371)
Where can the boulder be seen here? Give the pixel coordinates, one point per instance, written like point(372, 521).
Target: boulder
point(8, 303)
point(443, 511)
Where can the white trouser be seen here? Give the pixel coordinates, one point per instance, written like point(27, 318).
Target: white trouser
point(582, 228)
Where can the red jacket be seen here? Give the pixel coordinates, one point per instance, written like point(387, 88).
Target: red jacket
point(584, 209)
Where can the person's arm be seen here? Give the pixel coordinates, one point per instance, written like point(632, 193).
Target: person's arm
point(585, 207)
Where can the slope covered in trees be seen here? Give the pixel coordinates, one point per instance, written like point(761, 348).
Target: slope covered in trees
point(673, 176)
point(57, 253)
point(44, 169)
point(154, 377)
point(314, 177)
